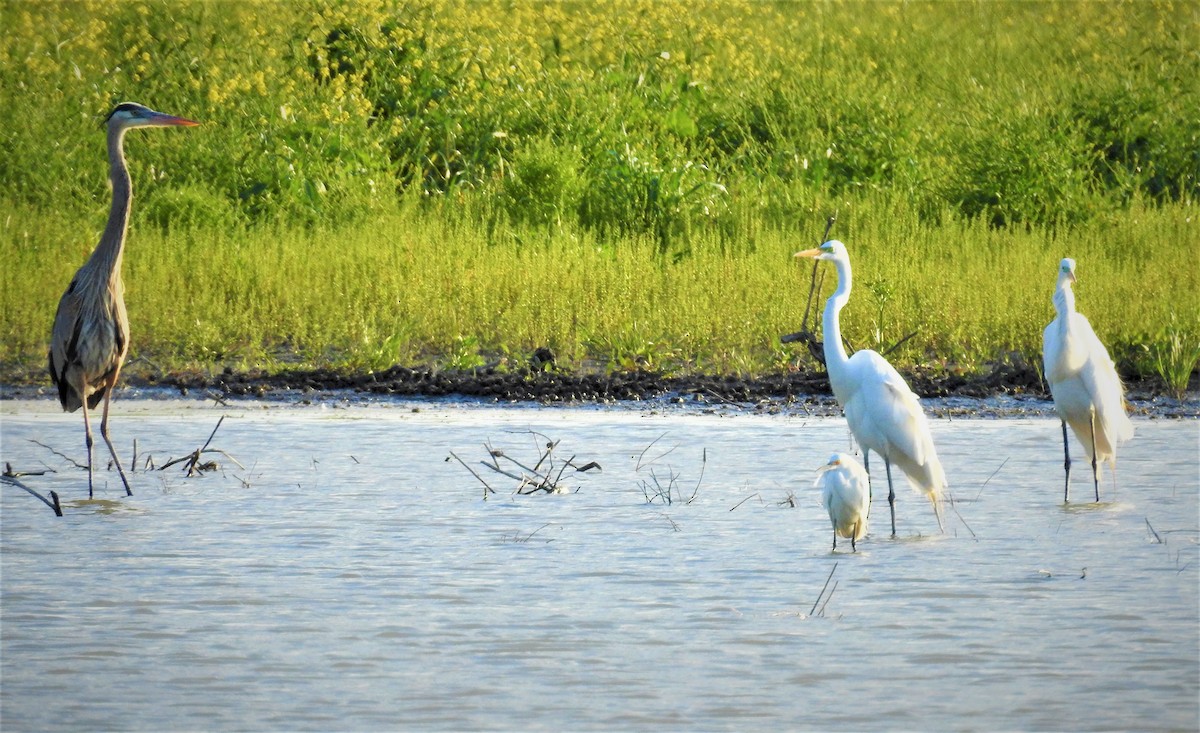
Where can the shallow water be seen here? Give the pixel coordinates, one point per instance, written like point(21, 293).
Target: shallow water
point(350, 577)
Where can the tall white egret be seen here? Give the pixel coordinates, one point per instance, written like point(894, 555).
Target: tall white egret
point(1087, 391)
point(884, 414)
point(846, 495)
point(91, 329)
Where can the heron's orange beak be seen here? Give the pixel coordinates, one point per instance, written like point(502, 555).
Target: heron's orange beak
point(181, 121)
point(808, 253)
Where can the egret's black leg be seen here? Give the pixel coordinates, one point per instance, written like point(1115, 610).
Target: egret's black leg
point(835, 539)
point(1066, 465)
point(867, 468)
point(1095, 470)
point(853, 533)
point(891, 493)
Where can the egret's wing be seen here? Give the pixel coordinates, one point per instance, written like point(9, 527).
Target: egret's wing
point(893, 408)
point(1104, 384)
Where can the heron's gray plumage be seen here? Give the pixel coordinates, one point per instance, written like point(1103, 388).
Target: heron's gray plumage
point(91, 328)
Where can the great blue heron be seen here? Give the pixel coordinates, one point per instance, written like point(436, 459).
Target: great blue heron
point(1083, 381)
point(884, 414)
point(91, 329)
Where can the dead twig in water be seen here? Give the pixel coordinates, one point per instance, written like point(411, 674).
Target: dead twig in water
point(989, 478)
point(63, 456)
point(642, 455)
point(486, 489)
point(1149, 526)
point(822, 593)
point(192, 460)
point(743, 501)
point(518, 538)
point(954, 506)
point(10, 478)
point(703, 465)
point(545, 475)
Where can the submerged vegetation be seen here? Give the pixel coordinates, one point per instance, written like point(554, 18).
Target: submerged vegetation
point(461, 183)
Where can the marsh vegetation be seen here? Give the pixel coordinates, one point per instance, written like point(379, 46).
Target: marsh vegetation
point(459, 184)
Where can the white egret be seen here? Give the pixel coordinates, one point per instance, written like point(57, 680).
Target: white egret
point(1087, 391)
point(846, 495)
point(883, 413)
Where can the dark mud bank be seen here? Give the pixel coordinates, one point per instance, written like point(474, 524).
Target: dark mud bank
point(1008, 384)
point(1004, 390)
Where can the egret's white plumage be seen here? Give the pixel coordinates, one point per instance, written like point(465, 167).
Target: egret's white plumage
point(846, 495)
point(1087, 391)
point(884, 415)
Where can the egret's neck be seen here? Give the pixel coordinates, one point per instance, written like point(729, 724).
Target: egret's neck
point(1064, 299)
point(835, 353)
point(107, 257)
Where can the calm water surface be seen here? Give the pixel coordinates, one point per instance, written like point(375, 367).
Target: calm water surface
point(350, 577)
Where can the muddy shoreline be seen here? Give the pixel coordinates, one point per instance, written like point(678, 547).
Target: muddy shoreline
point(1006, 390)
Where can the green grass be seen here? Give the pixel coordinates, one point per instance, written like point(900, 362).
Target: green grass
point(419, 288)
point(459, 182)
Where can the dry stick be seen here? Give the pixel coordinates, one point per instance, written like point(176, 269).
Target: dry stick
point(133, 461)
point(8, 471)
point(196, 456)
point(533, 471)
point(814, 608)
point(813, 284)
point(560, 472)
point(826, 603)
point(54, 505)
point(989, 478)
point(63, 456)
point(703, 463)
point(648, 447)
point(1151, 528)
point(899, 343)
point(743, 501)
point(193, 458)
point(960, 518)
point(486, 488)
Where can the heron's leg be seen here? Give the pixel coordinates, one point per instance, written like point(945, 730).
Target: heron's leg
point(1066, 465)
point(112, 382)
point(853, 545)
point(891, 493)
point(1095, 470)
point(87, 429)
point(835, 539)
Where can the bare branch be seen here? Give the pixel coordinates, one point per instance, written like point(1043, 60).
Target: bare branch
point(54, 505)
point(63, 456)
point(814, 608)
point(486, 489)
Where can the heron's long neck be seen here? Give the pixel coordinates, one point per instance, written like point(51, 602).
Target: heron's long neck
point(835, 353)
point(106, 260)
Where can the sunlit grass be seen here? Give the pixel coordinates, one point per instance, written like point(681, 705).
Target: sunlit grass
point(421, 287)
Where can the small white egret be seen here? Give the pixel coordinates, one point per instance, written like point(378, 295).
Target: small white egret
point(846, 495)
point(883, 413)
point(1087, 391)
